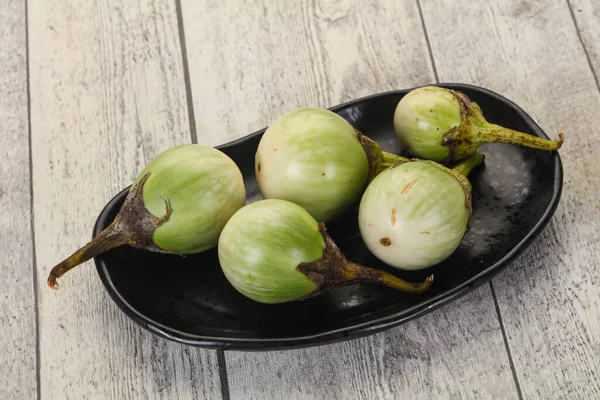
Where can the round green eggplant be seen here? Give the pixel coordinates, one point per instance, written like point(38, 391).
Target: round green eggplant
point(414, 215)
point(445, 125)
point(314, 158)
point(178, 204)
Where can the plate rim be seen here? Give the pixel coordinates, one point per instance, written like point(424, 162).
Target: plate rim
point(357, 330)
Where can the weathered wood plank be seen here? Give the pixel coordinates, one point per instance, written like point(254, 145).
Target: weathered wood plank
point(454, 353)
point(248, 65)
point(549, 299)
point(253, 62)
point(107, 94)
point(587, 17)
point(17, 305)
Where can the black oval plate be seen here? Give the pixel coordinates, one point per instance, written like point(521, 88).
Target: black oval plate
point(190, 301)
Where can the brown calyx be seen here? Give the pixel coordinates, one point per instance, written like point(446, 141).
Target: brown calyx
point(134, 225)
point(137, 223)
point(334, 269)
point(373, 151)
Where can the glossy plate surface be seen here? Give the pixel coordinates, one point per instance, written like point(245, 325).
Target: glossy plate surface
point(190, 301)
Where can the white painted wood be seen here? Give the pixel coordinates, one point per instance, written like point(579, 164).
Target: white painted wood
point(549, 299)
point(251, 63)
point(453, 353)
point(587, 16)
point(107, 94)
point(17, 306)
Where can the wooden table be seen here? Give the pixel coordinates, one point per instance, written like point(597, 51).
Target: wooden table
point(91, 91)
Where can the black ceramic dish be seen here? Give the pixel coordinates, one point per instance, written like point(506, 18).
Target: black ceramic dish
point(190, 301)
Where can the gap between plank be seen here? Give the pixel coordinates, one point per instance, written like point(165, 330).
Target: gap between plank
point(36, 302)
point(587, 54)
point(506, 345)
point(223, 375)
point(192, 120)
point(435, 74)
point(186, 73)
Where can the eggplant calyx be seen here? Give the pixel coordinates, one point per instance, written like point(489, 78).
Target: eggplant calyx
point(334, 269)
point(134, 225)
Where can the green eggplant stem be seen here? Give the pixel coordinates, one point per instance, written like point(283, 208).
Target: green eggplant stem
point(493, 133)
point(334, 269)
point(134, 225)
point(379, 160)
point(474, 131)
point(466, 166)
point(389, 160)
point(360, 274)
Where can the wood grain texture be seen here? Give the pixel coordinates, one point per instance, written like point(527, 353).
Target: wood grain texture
point(587, 18)
point(454, 353)
point(107, 94)
point(250, 64)
point(17, 305)
point(549, 299)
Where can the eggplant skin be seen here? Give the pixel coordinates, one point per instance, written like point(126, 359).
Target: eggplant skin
point(263, 244)
point(314, 158)
point(423, 117)
point(414, 215)
point(204, 188)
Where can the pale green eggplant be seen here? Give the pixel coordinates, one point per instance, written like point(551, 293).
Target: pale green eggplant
point(178, 204)
point(445, 125)
point(314, 158)
point(414, 215)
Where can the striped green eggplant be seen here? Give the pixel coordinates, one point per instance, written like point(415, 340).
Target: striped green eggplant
point(315, 158)
point(414, 215)
point(178, 204)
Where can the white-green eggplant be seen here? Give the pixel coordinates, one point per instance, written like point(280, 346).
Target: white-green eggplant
point(315, 158)
point(178, 204)
point(415, 214)
point(445, 125)
point(274, 251)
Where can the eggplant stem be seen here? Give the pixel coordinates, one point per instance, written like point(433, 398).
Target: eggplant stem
point(408, 287)
point(134, 225)
point(466, 166)
point(360, 274)
point(111, 237)
point(389, 160)
point(379, 160)
point(492, 133)
point(334, 269)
